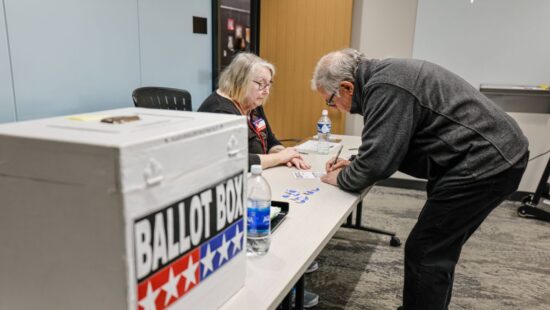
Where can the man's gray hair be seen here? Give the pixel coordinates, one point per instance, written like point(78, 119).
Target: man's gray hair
point(335, 67)
point(236, 77)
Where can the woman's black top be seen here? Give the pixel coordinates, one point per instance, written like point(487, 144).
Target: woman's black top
point(260, 137)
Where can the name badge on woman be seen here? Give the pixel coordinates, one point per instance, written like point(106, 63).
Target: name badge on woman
point(259, 124)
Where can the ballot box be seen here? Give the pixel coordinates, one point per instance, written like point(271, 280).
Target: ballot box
point(122, 209)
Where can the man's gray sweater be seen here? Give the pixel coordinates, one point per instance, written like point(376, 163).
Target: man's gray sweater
point(426, 121)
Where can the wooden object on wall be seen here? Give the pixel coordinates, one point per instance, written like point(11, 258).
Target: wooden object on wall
point(294, 34)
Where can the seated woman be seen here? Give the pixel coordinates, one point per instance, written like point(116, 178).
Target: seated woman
point(243, 88)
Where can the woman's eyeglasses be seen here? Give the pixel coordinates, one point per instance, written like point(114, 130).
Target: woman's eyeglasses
point(329, 100)
point(262, 85)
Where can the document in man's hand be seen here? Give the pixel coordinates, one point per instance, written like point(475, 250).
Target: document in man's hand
point(310, 146)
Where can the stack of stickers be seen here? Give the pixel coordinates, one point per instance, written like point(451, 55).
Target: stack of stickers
point(299, 196)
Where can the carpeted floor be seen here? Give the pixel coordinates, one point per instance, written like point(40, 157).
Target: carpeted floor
point(504, 265)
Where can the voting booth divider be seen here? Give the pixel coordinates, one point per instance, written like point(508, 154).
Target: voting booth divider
point(123, 209)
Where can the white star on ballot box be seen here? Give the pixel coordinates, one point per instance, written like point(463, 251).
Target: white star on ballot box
point(237, 240)
point(206, 261)
point(171, 287)
point(148, 303)
point(190, 274)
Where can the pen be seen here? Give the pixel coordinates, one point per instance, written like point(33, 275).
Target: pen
point(338, 154)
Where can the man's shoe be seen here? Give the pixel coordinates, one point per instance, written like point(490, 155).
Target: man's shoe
point(313, 267)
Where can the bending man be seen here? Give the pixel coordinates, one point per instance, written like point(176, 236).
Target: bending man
point(427, 122)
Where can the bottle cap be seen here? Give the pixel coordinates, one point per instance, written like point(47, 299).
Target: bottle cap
point(256, 169)
point(325, 113)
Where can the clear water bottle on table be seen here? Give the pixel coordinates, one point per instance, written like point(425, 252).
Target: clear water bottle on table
point(258, 210)
point(324, 126)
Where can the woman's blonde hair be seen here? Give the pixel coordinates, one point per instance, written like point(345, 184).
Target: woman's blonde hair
point(236, 77)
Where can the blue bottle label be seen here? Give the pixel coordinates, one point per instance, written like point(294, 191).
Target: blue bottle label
point(323, 127)
point(258, 217)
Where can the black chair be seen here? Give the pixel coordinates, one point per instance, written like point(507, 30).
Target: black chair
point(162, 98)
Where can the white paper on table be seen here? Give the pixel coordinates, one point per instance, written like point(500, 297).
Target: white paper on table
point(308, 174)
point(311, 146)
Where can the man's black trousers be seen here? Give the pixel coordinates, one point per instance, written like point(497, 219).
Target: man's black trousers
point(449, 217)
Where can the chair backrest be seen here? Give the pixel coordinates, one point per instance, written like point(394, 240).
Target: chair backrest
point(162, 98)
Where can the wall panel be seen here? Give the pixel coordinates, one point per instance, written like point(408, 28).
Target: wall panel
point(494, 42)
point(488, 41)
point(171, 54)
point(72, 56)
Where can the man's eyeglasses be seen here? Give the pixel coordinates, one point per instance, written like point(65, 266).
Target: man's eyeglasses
point(329, 100)
point(262, 85)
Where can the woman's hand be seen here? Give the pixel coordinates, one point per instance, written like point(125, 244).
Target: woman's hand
point(299, 163)
point(283, 156)
point(287, 154)
point(291, 157)
point(340, 163)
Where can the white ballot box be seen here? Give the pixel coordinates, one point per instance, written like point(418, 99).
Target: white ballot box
point(145, 212)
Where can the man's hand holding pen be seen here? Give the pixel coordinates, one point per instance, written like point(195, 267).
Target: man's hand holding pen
point(333, 167)
point(336, 163)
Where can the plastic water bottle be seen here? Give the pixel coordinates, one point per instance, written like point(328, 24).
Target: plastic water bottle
point(258, 226)
point(324, 126)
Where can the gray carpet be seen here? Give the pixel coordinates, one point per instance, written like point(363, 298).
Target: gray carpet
point(504, 265)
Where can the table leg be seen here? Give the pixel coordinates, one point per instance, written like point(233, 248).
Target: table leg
point(287, 302)
point(394, 241)
point(300, 293)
